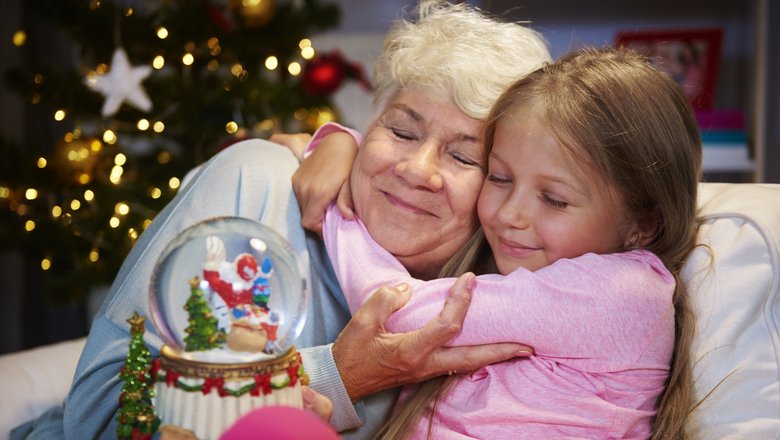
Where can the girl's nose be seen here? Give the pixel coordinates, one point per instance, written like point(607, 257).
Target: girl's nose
point(422, 168)
point(513, 213)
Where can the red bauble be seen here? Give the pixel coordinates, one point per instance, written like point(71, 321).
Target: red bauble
point(218, 17)
point(324, 74)
point(138, 435)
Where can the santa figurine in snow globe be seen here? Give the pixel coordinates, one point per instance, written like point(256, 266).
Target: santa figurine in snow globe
point(228, 301)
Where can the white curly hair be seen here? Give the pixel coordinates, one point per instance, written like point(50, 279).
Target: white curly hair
point(456, 52)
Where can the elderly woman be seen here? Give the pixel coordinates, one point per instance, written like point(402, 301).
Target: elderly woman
point(417, 180)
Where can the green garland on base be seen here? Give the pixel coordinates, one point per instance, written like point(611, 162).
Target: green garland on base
point(262, 383)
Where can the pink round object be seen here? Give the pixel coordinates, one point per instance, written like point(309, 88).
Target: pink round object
point(280, 423)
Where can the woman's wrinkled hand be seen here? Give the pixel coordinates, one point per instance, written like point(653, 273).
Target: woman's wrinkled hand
point(371, 359)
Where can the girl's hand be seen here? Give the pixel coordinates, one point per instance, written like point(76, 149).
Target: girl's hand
point(324, 177)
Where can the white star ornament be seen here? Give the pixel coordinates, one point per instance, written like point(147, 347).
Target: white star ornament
point(122, 84)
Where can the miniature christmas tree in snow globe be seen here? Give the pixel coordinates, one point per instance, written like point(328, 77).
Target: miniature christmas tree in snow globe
point(204, 332)
point(229, 303)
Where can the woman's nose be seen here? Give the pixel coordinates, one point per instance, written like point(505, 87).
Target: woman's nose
point(422, 168)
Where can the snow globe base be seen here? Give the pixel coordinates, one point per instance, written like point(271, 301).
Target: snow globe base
point(208, 398)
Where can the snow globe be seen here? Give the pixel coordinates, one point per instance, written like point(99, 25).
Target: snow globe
point(228, 301)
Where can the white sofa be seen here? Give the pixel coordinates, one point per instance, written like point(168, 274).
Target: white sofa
point(33, 381)
point(734, 280)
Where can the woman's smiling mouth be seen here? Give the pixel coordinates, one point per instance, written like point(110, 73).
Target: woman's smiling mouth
point(406, 206)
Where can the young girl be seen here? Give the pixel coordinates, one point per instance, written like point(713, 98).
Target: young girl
point(589, 211)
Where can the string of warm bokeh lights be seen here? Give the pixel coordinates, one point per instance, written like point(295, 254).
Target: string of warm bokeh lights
point(79, 150)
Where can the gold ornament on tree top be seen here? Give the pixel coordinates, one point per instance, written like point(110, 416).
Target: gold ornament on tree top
point(136, 322)
point(253, 13)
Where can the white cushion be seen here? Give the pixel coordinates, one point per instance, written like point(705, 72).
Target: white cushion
point(734, 283)
point(33, 381)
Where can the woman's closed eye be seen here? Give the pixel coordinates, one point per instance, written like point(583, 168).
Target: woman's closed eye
point(403, 134)
point(465, 159)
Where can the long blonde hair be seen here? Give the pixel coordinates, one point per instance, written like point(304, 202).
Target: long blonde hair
point(618, 113)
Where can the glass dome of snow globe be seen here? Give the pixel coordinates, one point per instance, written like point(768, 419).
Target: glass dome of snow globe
point(228, 291)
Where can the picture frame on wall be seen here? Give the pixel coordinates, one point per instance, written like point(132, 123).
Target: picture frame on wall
point(690, 56)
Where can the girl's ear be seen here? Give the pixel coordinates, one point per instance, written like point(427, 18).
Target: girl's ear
point(644, 230)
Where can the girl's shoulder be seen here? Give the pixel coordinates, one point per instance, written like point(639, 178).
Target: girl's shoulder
point(620, 270)
point(638, 259)
point(646, 259)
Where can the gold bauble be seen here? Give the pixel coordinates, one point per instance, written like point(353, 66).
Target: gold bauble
point(253, 13)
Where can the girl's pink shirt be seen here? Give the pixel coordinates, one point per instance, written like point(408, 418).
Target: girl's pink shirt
point(326, 129)
point(602, 327)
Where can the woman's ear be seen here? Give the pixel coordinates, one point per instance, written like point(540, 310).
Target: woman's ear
point(644, 230)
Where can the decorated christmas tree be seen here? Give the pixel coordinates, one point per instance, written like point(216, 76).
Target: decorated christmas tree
point(203, 332)
point(153, 89)
point(136, 418)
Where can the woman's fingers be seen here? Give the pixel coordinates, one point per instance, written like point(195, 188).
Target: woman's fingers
point(317, 403)
point(445, 360)
point(469, 358)
point(450, 320)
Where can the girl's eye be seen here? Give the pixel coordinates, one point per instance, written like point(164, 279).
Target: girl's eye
point(557, 204)
point(495, 178)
